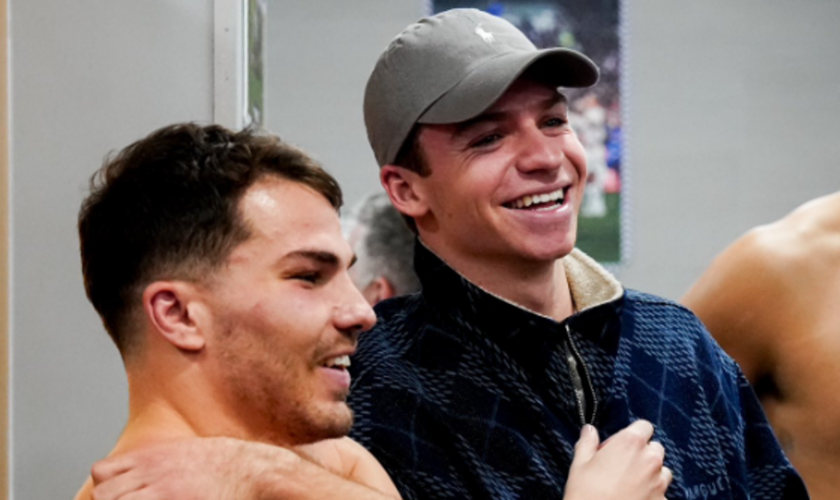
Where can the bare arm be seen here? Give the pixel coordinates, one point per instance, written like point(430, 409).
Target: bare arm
point(628, 467)
point(220, 469)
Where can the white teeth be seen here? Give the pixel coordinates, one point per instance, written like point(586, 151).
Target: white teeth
point(527, 201)
point(338, 362)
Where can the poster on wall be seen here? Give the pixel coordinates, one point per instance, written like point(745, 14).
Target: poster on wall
point(591, 27)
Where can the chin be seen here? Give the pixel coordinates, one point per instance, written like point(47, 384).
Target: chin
point(546, 252)
point(312, 423)
point(335, 423)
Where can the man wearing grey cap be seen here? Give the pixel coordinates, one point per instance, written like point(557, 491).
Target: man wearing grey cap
point(479, 386)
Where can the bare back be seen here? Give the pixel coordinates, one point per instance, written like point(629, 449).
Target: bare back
point(772, 300)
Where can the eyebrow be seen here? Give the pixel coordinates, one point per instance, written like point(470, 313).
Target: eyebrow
point(465, 126)
point(320, 256)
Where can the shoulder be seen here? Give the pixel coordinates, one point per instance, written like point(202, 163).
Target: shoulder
point(356, 463)
point(659, 311)
point(669, 329)
point(754, 272)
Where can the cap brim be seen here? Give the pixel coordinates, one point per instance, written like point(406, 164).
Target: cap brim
point(485, 84)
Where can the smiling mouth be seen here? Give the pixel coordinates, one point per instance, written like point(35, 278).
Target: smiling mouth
point(545, 201)
point(341, 363)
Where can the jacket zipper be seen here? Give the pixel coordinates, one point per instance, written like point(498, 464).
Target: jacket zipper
point(587, 402)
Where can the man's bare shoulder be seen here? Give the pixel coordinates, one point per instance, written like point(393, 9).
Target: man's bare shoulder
point(790, 245)
point(746, 272)
point(135, 437)
point(350, 460)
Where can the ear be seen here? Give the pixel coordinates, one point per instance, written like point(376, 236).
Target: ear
point(378, 290)
point(170, 308)
point(405, 188)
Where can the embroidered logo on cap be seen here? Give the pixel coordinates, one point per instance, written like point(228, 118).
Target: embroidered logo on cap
point(484, 34)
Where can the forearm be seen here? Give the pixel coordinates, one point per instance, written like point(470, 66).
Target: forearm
point(220, 469)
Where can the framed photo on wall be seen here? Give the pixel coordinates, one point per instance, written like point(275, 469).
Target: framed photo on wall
point(593, 28)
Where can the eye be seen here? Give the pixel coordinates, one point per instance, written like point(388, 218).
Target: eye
point(486, 140)
point(556, 121)
point(313, 277)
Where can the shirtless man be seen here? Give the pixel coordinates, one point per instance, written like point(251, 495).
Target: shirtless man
point(218, 266)
point(771, 301)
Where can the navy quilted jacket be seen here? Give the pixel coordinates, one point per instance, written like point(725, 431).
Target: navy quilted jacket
point(462, 395)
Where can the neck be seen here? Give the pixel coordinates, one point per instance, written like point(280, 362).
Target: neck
point(540, 287)
point(171, 397)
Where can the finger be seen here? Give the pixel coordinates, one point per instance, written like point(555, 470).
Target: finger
point(641, 428)
point(587, 445)
point(657, 449)
point(666, 476)
point(110, 467)
point(117, 487)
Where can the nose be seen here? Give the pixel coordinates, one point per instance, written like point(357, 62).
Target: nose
point(355, 315)
point(539, 151)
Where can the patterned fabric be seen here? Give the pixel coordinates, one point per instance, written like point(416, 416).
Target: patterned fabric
point(461, 395)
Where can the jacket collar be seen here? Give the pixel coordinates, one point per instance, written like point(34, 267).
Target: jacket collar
point(457, 300)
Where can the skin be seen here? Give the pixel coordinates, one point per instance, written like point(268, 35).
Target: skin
point(770, 300)
point(240, 353)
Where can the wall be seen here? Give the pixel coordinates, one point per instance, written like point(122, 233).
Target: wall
point(4, 249)
point(732, 121)
point(86, 78)
point(318, 58)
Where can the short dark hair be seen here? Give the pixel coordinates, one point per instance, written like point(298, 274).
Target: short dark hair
point(166, 207)
point(411, 157)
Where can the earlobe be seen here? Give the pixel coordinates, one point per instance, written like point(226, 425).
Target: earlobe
point(168, 308)
point(405, 189)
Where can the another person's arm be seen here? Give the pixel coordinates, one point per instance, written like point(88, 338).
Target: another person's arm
point(627, 467)
point(221, 469)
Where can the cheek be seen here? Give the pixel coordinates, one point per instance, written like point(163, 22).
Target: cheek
point(577, 156)
point(289, 321)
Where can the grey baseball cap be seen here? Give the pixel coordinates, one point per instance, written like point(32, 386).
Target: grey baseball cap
point(452, 66)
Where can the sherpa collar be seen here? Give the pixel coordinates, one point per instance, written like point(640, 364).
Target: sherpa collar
point(465, 305)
